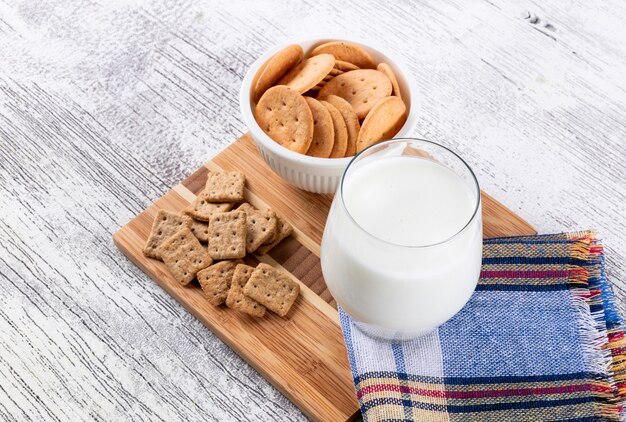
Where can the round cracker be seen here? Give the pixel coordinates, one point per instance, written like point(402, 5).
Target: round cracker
point(345, 66)
point(341, 131)
point(386, 69)
point(351, 120)
point(346, 52)
point(284, 115)
point(275, 68)
point(308, 73)
point(323, 130)
point(362, 88)
point(382, 123)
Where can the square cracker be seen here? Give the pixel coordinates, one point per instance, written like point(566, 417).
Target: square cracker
point(165, 224)
point(201, 209)
point(261, 226)
point(283, 230)
point(236, 299)
point(184, 256)
point(227, 235)
point(215, 281)
point(224, 186)
point(272, 288)
point(200, 229)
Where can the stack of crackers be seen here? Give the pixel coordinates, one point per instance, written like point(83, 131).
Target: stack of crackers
point(333, 104)
point(229, 234)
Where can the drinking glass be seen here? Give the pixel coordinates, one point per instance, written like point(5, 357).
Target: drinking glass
point(399, 288)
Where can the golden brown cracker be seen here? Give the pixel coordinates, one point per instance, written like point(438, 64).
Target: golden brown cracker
point(346, 52)
point(200, 229)
point(341, 132)
point(386, 69)
point(284, 230)
point(239, 301)
point(308, 73)
point(184, 256)
point(382, 123)
point(284, 115)
point(224, 186)
point(351, 120)
point(323, 130)
point(345, 66)
point(361, 88)
point(216, 279)
point(275, 68)
point(165, 224)
point(227, 235)
point(272, 288)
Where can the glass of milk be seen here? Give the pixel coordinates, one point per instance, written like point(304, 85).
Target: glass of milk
point(402, 247)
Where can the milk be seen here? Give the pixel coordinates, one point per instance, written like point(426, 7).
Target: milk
point(401, 251)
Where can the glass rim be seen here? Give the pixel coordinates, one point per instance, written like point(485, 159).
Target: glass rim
point(397, 141)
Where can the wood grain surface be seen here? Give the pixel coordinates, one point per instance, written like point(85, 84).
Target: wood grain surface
point(104, 106)
point(303, 355)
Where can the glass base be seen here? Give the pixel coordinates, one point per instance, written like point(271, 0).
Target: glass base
point(380, 333)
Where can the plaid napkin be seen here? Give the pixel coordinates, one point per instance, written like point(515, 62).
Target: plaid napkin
point(539, 340)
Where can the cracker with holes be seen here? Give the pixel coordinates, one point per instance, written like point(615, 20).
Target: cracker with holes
point(362, 88)
point(284, 230)
point(347, 52)
point(165, 224)
point(275, 68)
point(227, 235)
point(224, 186)
point(385, 119)
point(239, 301)
point(308, 73)
point(323, 130)
point(340, 143)
point(272, 288)
point(386, 69)
point(261, 226)
point(350, 119)
point(215, 281)
point(184, 256)
point(201, 209)
point(200, 229)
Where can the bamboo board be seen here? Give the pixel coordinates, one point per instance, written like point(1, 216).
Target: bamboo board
point(302, 355)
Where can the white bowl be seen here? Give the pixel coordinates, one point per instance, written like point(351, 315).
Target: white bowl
point(318, 175)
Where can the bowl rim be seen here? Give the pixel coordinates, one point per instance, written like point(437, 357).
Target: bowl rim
point(245, 103)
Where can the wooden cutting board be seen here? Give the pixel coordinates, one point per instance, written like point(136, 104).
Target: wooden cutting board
point(303, 355)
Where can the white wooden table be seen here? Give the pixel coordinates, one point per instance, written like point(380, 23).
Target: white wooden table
point(104, 107)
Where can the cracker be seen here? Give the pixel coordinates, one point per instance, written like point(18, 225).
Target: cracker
point(308, 73)
point(323, 130)
point(201, 209)
point(236, 299)
point(184, 256)
point(346, 52)
point(215, 281)
point(361, 88)
point(275, 68)
point(200, 229)
point(227, 235)
point(284, 115)
point(272, 288)
point(261, 226)
point(351, 120)
point(386, 69)
point(345, 66)
point(225, 186)
point(341, 131)
point(165, 224)
point(382, 123)
point(284, 229)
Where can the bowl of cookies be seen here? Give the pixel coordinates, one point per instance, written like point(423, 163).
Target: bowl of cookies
point(311, 106)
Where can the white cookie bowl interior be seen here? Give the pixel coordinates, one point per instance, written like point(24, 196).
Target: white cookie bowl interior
point(317, 175)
